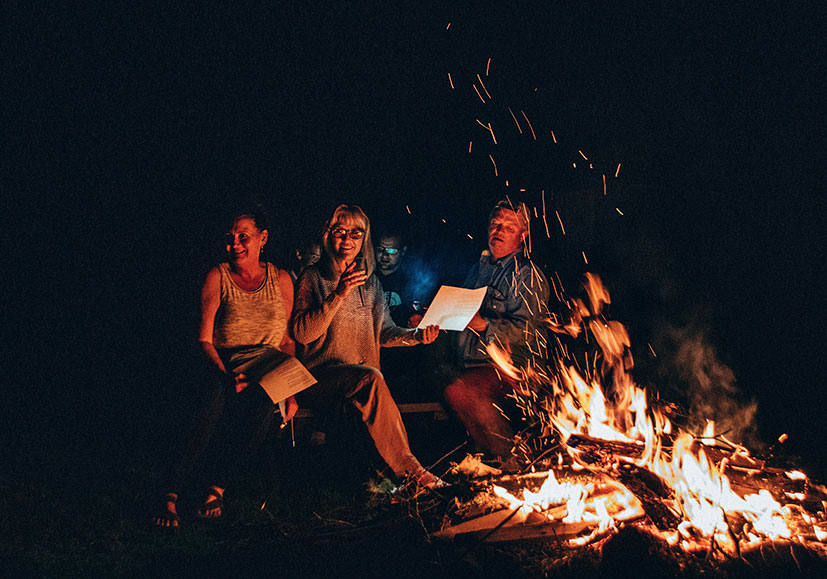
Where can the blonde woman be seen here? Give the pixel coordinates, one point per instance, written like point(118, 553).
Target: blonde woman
point(340, 322)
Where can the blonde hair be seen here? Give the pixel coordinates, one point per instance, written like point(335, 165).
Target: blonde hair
point(519, 208)
point(342, 213)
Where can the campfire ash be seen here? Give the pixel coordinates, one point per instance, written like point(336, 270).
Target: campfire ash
point(602, 456)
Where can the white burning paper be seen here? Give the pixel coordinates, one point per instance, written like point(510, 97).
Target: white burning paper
point(453, 308)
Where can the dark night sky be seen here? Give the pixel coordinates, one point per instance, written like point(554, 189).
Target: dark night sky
point(130, 127)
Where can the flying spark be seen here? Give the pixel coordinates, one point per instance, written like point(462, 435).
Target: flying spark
point(543, 192)
point(560, 221)
point(478, 93)
point(529, 124)
point(482, 84)
point(519, 128)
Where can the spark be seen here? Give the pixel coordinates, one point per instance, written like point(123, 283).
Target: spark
point(487, 66)
point(553, 138)
point(445, 222)
point(604, 183)
point(525, 301)
point(617, 172)
point(560, 221)
point(501, 411)
point(618, 210)
point(548, 235)
point(582, 155)
point(536, 215)
point(478, 93)
point(529, 124)
point(519, 128)
point(469, 236)
point(450, 80)
point(586, 259)
point(493, 163)
point(651, 349)
point(408, 209)
point(449, 26)
point(492, 133)
point(469, 145)
point(482, 84)
point(574, 165)
point(487, 126)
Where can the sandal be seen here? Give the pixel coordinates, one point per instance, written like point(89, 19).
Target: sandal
point(212, 508)
point(168, 517)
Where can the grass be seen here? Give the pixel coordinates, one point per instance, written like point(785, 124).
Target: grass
point(305, 512)
point(80, 513)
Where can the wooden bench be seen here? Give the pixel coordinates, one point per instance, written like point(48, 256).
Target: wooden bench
point(434, 408)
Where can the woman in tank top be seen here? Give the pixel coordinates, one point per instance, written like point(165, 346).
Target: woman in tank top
point(245, 308)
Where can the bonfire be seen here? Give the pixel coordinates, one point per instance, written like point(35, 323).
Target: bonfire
point(600, 456)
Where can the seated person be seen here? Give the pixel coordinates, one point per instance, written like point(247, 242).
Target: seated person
point(308, 255)
point(246, 305)
point(403, 368)
point(505, 319)
point(340, 321)
point(390, 254)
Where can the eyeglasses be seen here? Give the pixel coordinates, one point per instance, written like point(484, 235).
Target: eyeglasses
point(340, 233)
point(388, 250)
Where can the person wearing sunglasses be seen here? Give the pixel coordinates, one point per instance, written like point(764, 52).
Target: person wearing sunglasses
point(390, 252)
point(340, 322)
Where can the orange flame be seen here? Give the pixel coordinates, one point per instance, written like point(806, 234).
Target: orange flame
point(579, 405)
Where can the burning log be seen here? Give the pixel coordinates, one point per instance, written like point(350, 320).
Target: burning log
point(593, 451)
point(571, 512)
point(651, 492)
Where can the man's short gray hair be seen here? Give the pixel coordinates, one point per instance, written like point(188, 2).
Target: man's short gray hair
point(519, 208)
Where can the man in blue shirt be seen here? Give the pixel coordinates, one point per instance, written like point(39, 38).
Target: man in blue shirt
point(510, 317)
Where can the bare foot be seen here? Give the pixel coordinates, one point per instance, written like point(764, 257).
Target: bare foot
point(213, 506)
point(168, 517)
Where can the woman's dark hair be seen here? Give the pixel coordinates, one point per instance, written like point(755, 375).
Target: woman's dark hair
point(252, 211)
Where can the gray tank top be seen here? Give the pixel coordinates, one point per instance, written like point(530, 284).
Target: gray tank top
point(247, 319)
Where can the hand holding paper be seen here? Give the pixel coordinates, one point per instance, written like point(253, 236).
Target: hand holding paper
point(453, 308)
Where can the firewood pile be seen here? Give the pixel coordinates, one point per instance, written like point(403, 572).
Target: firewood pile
point(598, 493)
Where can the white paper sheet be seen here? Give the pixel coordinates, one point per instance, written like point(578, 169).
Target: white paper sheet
point(453, 307)
point(286, 380)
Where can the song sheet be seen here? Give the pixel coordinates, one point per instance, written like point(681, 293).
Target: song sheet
point(453, 307)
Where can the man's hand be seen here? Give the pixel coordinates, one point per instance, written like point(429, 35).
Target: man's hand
point(414, 320)
point(477, 323)
point(429, 334)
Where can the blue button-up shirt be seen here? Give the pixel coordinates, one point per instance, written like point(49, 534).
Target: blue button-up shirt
point(514, 307)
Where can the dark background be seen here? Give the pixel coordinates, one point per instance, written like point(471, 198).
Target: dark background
point(130, 128)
